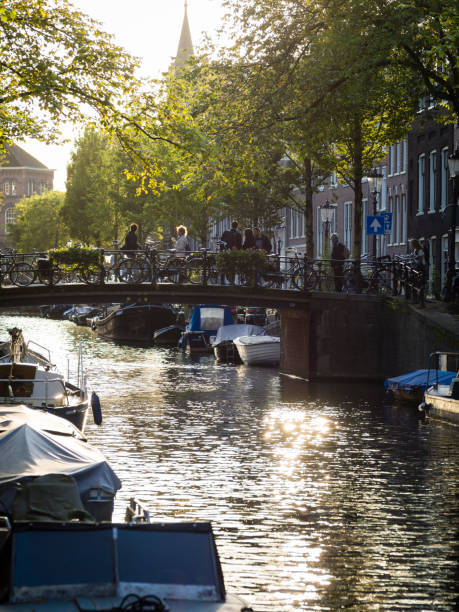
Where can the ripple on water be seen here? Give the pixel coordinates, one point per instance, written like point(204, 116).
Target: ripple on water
point(321, 496)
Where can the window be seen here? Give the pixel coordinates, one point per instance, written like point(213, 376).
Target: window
point(319, 234)
point(10, 216)
point(398, 148)
point(348, 225)
point(403, 214)
point(29, 187)
point(43, 186)
point(383, 196)
point(364, 226)
point(9, 187)
point(391, 160)
point(444, 178)
point(405, 156)
point(421, 183)
point(432, 179)
point(391, 209)
point(333, 181)
point(396, 219)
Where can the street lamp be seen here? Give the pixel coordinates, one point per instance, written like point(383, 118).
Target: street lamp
point(453, 164)
point(327, 211)
point(279, 234)
point(374, 183)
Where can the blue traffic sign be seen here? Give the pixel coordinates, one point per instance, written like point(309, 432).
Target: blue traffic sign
point(375, 225)
point(387, 221)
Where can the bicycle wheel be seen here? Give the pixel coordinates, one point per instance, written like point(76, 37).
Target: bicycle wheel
point(22, 274)
point(93, 275)
point(129, 271)
point(51, 276)
point(297, 279)
point(194, 272)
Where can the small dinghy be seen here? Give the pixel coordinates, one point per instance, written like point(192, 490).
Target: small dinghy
point(258, 350)
point(225, 350)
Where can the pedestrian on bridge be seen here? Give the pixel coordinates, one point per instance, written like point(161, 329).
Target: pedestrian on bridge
point(232, 238)
point(338, 255)
point(130, 242)
point(262, 242)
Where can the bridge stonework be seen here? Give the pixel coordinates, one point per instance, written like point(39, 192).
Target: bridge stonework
point(356, 337)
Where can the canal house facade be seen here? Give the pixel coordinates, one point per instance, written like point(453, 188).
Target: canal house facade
point(21, 176)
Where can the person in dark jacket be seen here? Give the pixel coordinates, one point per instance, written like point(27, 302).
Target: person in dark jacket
point(130, 241)
point(232, 238)
point(262, 242)
point(249, 240)
point(338, 255)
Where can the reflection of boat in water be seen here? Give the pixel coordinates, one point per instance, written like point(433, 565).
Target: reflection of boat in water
point(410, 387)
point(258, 350)
point(223, 344)
point(55, 557)
point(441, 401)
point(27, 376)
point(135, 322)
point(35, 444)
point(205, 321)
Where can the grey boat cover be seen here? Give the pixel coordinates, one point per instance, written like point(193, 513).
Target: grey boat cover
point(34, 443)
point(229, 332)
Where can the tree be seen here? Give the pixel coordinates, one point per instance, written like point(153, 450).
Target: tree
point(56, 65)
point(39, 224)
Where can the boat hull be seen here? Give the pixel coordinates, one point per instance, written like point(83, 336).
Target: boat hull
point(262, 353)
point(438, 404)
point(135, 323)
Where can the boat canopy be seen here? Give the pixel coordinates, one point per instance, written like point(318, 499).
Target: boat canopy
point(229, 332)
point(34, 443)
point(209, 317)
point(419, 379)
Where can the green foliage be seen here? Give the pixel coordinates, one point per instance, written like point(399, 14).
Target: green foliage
point(244, 262)
point(39, 224)
point(76, 256)
point(56, 65)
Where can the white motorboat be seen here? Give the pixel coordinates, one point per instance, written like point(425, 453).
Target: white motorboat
point(441, 401)
point(258, 350)
point(225, 350)
point(28, 376)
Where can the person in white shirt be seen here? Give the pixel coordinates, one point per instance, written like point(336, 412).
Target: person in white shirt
point(181, 242)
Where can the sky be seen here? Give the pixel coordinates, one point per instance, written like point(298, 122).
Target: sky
point(148, 29)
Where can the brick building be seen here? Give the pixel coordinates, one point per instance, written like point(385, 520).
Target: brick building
point(21, 175)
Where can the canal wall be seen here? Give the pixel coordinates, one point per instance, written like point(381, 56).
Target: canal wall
point(356, 337)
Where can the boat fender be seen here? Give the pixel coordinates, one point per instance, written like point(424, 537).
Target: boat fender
point(96, 409)
point(423, 407)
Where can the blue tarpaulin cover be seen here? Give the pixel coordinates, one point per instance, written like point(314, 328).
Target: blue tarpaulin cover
point(418, 380)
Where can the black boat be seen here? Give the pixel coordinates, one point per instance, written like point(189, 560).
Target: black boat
point(134, 322)
point(168, 336)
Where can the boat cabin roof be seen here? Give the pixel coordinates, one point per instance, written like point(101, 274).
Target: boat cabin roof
point(209, 317)
point(172, 561)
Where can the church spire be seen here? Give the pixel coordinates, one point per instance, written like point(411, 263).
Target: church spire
point(185, 46)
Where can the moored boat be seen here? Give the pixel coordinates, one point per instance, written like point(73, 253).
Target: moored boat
point(134, 322)
point(33, 445)
point(28, 376)
point(441, 401)
point(410, 387)
point(225, 350)
point(258, 350)
point(168, 336)
point(205, 321)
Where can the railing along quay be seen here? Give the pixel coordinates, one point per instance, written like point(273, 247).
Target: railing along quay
point(292, 272)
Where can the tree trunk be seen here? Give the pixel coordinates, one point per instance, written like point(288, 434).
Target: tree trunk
point(357, 147)
point(308, 210)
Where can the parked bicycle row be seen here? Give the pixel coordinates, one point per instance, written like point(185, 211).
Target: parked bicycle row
point(294, 271)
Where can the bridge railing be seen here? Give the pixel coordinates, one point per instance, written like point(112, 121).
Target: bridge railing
point(293, 272)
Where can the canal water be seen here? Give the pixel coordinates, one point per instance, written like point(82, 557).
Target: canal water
point(321, 496)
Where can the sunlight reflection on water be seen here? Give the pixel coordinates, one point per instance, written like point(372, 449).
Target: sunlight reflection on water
point(321, 496)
